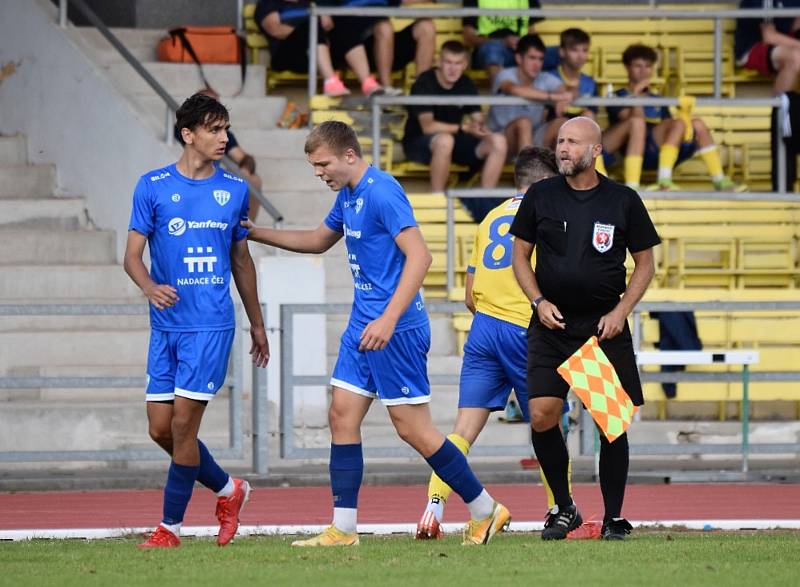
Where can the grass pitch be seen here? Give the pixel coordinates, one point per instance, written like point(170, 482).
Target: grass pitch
point(650, 558)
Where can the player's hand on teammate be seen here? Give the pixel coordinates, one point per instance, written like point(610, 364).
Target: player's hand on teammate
point(377, 333)
point(248, 224)
point(259, 349)
point(162, 296)
point(611, 324)
point(550, 316)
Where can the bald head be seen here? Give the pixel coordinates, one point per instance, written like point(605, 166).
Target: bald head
point(584, 128)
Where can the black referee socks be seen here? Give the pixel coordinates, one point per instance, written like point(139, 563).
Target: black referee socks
point(614, 458)
point(551, 450)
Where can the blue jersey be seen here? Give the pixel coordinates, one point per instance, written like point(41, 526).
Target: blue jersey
point(653, 115)
point(190, 226)
point(370, 217)
point(586, 88)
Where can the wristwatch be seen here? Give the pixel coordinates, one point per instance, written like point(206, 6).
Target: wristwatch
point(536, 302)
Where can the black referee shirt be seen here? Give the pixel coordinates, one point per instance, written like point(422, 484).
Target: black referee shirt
point(581, 238)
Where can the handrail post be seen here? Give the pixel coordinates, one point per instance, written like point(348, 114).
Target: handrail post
point(450, 242)
point(717, 57)
point(780, 147)
point(313, 37)
point(169, 127)
point(745, 417)
point(376, 134)
point(62, 13)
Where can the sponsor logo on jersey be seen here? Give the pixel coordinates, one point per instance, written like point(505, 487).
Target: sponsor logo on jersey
point(233, 177)
point(176, 197)
point(176, 226)
point(603, 237)
point(161, 175)
point(222, 197)
point(200, 259)
point(352, 233)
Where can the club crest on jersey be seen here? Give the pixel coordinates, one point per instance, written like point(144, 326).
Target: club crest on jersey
point(359, 205)
point(603, 237)
point(222, 197)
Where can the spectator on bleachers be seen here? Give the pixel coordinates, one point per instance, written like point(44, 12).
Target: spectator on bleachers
point(390, 51)
point(285, 24)
point(493, 39)
point(439, 135)
point(573, 52)
point(245, 161)
point(770, 46)
point(526, 126)
point(667, 142)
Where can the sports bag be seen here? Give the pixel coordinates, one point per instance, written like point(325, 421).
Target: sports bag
point(203, 45)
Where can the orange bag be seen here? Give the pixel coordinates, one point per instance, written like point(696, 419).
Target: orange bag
point(201, 44)
point(218, 44)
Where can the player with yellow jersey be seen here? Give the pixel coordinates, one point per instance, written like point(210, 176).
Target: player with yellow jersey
point(495, 355)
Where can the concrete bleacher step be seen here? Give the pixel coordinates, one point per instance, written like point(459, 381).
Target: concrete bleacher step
point(57, 213)
point(57, 246)
point(115, 324)
point(140, 42)
point(93, 394)
point(278, 143)
point(181, 80)
point(307, 209)
point(26, 181)
point(58, 283)
point(71, 348)
point(247, 112)
point(289, 175)
point(13, 150)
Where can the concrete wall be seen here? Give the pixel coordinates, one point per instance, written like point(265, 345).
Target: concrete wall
point(72, 115)
point(157, 14)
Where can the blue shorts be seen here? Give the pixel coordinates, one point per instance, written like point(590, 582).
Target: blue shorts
point(495, 361)
point(187, 364)
point(396, 375)
point(651, 150)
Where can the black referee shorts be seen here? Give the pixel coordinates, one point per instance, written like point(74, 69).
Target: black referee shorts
point(547, 349)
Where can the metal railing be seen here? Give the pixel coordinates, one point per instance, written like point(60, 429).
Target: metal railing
point(623, 14)
point(169, 102)
point(234, 382)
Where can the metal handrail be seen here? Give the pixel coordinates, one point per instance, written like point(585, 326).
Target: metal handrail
point(169, 101)
point(629, 13)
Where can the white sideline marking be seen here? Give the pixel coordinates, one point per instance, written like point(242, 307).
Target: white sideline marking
point(379, 529)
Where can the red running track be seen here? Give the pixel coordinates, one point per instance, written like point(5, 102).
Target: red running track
point(393, 504)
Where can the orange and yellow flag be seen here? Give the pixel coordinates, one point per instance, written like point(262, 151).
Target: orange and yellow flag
point(594, 380)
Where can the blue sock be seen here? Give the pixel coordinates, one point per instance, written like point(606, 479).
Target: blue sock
point(178, 492)
point(347, 469)
point(451, 465)
point(210, 474)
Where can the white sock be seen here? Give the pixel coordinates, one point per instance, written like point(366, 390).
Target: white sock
point(664, 173)
point(436, 507)
point(174, 528)
point(717, 178)
point(482, 506)
point(345, 519)
point(226, 491)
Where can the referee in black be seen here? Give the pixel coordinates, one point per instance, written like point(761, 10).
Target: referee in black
point(581, 224)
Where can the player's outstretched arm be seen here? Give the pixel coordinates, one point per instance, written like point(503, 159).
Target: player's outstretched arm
point(644, 269)
point(160, 295)
point(317, 240)
point(244, 274)
point(377, 333)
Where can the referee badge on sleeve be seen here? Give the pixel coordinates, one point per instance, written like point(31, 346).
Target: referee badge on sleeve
point(603, 237)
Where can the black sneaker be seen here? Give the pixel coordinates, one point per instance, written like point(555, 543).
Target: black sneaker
point(559, 523)
point(616, 529)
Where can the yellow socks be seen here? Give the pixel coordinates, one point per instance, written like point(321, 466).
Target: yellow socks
point(438, 488)
point(551, 501)
point(711, 158)
point(633, 170)
point(667, 157)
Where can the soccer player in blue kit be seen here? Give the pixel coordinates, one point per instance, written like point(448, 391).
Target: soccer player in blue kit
point(189, 213)
point(383, 351)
